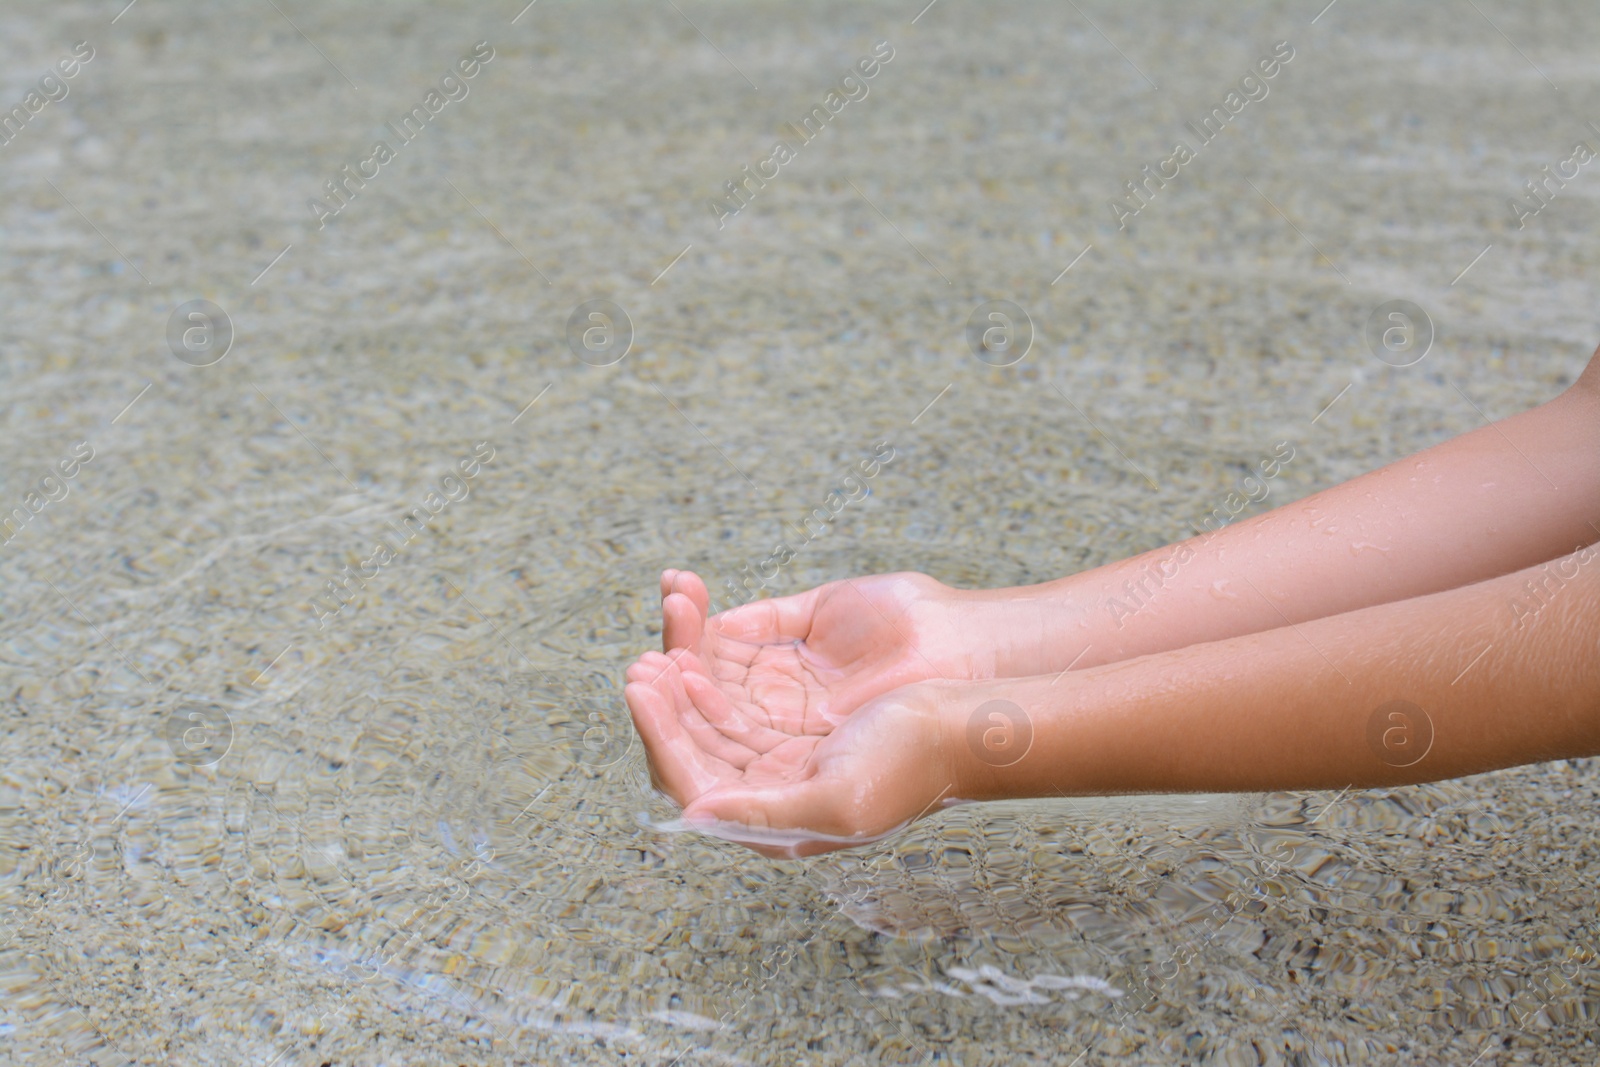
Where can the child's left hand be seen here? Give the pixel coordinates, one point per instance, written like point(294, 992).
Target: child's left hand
point(745, 776)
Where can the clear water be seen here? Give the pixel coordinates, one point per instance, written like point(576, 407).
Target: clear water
point(421, 831)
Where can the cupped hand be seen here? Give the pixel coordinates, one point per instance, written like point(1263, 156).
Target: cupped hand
point(808, 661)
point(783, 784)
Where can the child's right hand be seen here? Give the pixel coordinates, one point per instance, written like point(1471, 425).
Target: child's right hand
point(788, 786)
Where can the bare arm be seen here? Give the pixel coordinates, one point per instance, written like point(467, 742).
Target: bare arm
point(1295, 707)
point(1433, 687)
point(1497, 499)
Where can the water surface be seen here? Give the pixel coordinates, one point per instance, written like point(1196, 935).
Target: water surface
point(238, 828)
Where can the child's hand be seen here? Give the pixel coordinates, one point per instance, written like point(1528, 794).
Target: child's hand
point(787, 785)
point(811, 659)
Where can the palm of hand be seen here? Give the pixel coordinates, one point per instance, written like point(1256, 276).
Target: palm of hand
point(742, 774)
point(740, 715)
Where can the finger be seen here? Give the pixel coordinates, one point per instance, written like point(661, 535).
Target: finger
point(638, 672)
point(683, 622)
point(665, 676)
point(690, 585)
point(731, 675)
point(667, 578)
point(694, 697)
point(668, 674)
point(724, 725)
point(712, 741)
point(649, 667)
point(652, 666)
point(643, 670)
point(784, 618)
point(728, 718)
point(680, 768)
point(655, 722)
point(683, 660)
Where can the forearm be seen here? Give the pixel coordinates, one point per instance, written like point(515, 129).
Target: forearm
point(1294, 707)
point(1497, 499)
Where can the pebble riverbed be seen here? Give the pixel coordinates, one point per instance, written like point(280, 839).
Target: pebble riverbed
point(239, 829)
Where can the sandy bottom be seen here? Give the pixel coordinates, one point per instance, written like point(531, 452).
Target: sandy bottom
point(240, 827)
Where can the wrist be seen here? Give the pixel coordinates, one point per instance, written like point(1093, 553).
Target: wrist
point(996, 735)
point(1020, 632)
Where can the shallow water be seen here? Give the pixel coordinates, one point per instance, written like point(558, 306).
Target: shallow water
point(420, 830)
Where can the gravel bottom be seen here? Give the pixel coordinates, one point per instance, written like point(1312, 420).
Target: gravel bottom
point(244, 822)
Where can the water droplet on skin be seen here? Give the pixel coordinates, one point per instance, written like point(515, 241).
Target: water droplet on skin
point(1219, 589)
point(1357, 546)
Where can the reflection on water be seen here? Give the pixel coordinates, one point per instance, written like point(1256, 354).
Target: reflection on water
point(231, 833)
